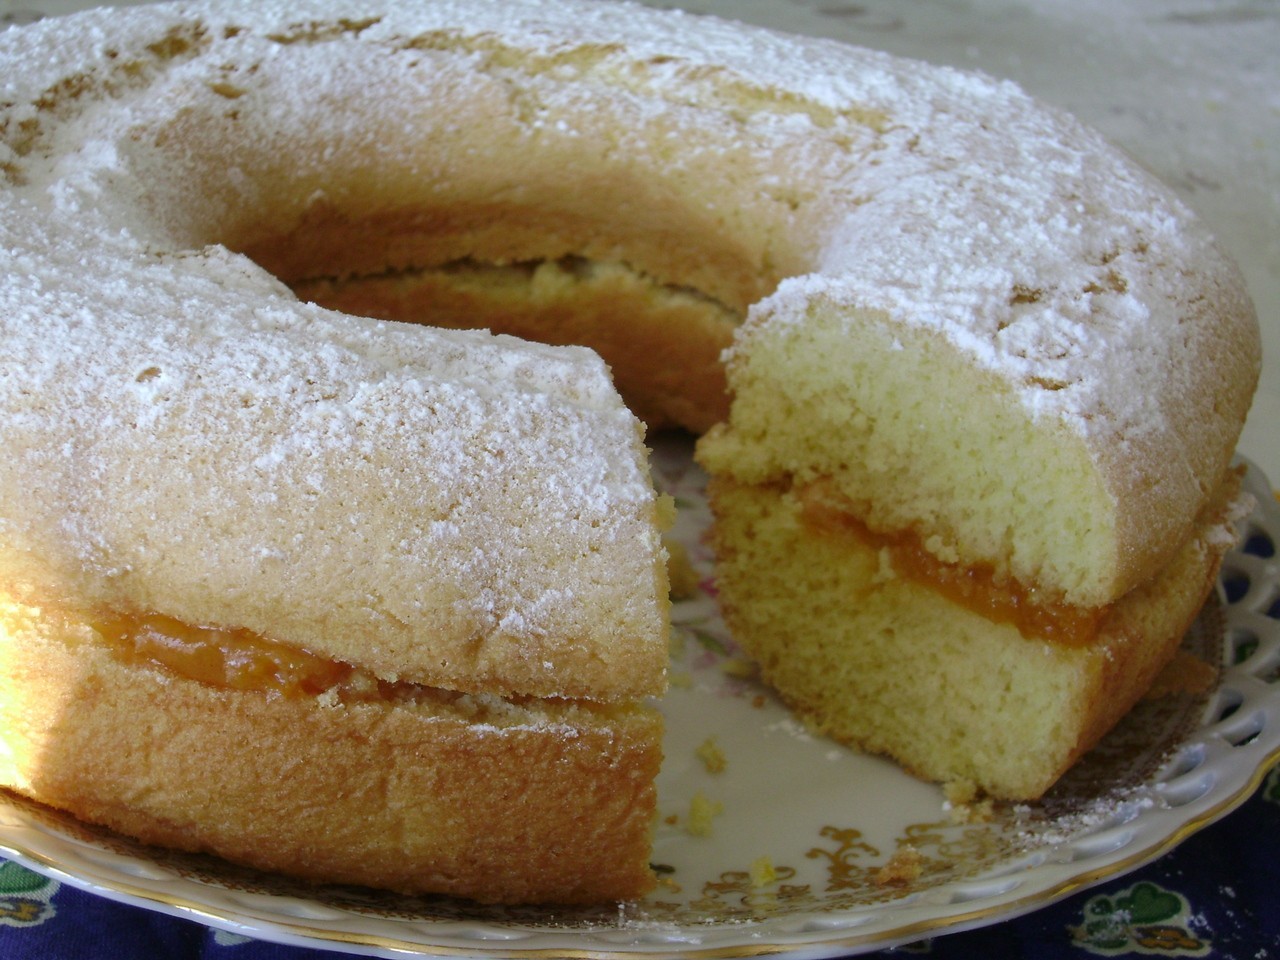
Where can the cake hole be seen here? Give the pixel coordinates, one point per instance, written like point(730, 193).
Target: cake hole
point(616, 307)
point(439, 227)
point(227, 90)
point(150, 373)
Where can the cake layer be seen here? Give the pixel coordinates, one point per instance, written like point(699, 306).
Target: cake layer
point(1052, 292)
point(537, 801)
point(184, 437)
point(985, 463)
point(894, 666)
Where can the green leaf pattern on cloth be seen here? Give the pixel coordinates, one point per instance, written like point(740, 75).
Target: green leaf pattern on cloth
point(25, 896)
point(1144, 919)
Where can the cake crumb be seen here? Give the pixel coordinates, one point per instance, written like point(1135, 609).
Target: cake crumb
point(959, 792)
point(665, 507)
point(980, 811)
point(944, 551)
point(964, 803)
point(903, 868)
point(702, 810)
point(680, 572)
point(711, 755)
point(762, 872)
point(884, 568)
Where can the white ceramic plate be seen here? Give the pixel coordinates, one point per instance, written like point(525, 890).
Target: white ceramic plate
point(794, 861)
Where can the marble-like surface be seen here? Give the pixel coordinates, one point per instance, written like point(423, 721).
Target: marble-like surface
point(1189, 87)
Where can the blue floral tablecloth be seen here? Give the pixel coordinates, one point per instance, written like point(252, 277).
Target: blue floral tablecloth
point(1217, 895)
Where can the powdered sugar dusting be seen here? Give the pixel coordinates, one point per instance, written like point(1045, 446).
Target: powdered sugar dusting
point(181, 431)
point(1018, 234)
point(946, 199)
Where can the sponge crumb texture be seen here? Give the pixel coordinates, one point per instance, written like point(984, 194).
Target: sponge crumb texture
point(888, 664)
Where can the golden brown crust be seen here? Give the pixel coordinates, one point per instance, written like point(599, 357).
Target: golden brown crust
point(389, 497)
point(551, 804)
point(1157, 506)
point(1143, 631)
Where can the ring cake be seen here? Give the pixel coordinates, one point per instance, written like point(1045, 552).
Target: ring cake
point(385, 603)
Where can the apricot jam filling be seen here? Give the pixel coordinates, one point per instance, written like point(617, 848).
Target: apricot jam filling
point(235, 658)
point(977, 587)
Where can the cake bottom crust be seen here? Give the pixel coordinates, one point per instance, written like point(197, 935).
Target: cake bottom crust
point(538, 805)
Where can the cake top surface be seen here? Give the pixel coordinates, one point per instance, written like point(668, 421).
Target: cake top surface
point(1005, 225)
point(946, 200)
point(183, 435)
